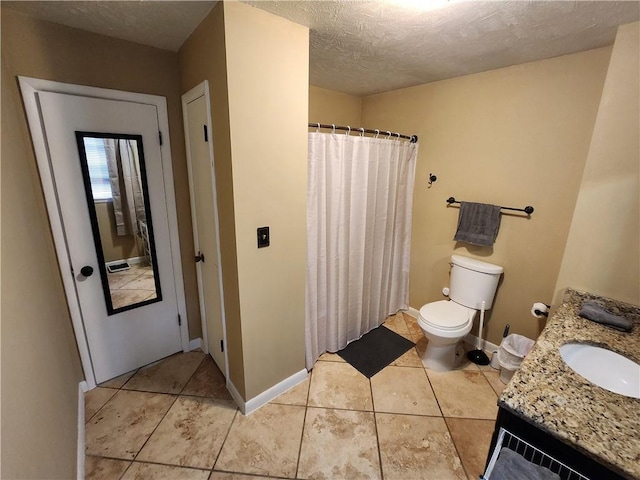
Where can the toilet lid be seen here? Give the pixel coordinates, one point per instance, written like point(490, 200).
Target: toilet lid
point(446, 314)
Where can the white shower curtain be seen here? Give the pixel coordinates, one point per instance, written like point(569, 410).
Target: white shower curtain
point(360, 194)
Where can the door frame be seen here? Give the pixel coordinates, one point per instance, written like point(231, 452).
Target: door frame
point(202, 89)
point(30, 87)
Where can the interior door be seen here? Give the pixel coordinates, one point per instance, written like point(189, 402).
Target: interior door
point(204, 227)
point(121, 336)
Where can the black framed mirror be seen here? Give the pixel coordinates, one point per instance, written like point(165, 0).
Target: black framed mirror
point(115, 183)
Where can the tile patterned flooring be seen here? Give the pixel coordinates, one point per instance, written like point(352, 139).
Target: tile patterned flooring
point(131, 286)
point(176, 420)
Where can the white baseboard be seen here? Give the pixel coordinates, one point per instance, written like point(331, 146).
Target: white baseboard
point(82, 388)
point(236, 395)
point(413, 312)
point(195, 344)
point(487, 346)
point(265, 397)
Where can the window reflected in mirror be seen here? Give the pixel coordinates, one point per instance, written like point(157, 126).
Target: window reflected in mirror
point(117, 197)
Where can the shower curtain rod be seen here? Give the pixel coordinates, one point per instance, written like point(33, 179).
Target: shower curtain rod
point(411, 138)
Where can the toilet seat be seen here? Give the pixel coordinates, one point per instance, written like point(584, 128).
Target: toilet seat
point(446, 315)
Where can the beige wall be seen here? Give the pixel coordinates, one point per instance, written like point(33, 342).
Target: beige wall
point(114, 246)
point(203, 57)
point(40, 49)
point(603, 249)
point(40, 364)
point(267, 70)
point(257, 66)
point(329, 106)
point(41, 369)
point(515, 136)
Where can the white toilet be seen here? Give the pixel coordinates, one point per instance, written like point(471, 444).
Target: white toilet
point(446, 322)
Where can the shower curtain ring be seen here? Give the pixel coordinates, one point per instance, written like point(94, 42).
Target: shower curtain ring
point(361, 131)
point(348, 131)
point(377, 133)
point(318, 128)
point(398, 135)
point(388, 134)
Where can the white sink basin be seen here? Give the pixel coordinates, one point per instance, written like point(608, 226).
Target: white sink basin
point(603, 367)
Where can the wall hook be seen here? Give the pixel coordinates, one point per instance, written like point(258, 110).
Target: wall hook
point(432, 179)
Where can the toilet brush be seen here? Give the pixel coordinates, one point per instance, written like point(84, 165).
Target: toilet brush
point(478, 356)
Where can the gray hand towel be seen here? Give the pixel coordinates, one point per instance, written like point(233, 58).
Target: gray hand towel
point(512, 466)
point(478, 224)
point(595, 313)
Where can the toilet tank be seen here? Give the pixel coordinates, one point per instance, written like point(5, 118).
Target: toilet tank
point(473, 282)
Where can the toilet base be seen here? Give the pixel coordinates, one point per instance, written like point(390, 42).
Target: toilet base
point(440, 357)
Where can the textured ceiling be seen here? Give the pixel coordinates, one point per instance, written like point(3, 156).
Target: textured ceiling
point(162, 24)
point(363, 47)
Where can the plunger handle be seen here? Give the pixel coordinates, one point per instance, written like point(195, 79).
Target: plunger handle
point(481, 326)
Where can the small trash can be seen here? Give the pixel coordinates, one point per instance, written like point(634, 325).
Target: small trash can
point(512, 351)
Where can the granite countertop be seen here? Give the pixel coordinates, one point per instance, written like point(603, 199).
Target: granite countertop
point(547, 393)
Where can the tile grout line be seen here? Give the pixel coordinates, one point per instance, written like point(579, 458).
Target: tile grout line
point(151, 462)
point(251, 475)
point(121, 387)
point(375, 413)
point(120, 390)
point(193, 374)
point(211, 470)
point(444, 419)
point(165, 413)
point(101, 407)
point(205, 397)
point(426, 374)
point(375, 426)
point(455, 446)
point(421, 415)
point(181, 395)
point(490, 384)
point(156, 427)
point(304, 422)
point(472, 372)
point(126, 470)
point(224, 440)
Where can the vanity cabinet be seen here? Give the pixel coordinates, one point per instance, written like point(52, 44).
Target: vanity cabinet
point(543, 449)
point(558, 417)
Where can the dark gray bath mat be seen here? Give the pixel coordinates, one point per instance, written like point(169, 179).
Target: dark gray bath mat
point(375, 350)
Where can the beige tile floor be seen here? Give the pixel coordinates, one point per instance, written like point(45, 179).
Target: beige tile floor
point(176, 420)
point(131, 286)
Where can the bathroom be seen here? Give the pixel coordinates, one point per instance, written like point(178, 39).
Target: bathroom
point(517, 136)
point(487, 142)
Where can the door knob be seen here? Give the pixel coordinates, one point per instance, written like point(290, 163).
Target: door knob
point(199, 257)
point(87, 271)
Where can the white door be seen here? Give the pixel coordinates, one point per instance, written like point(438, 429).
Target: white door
point(121, 337)
point(201, 182)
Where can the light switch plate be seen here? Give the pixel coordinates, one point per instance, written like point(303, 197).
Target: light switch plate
point(263, 237)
